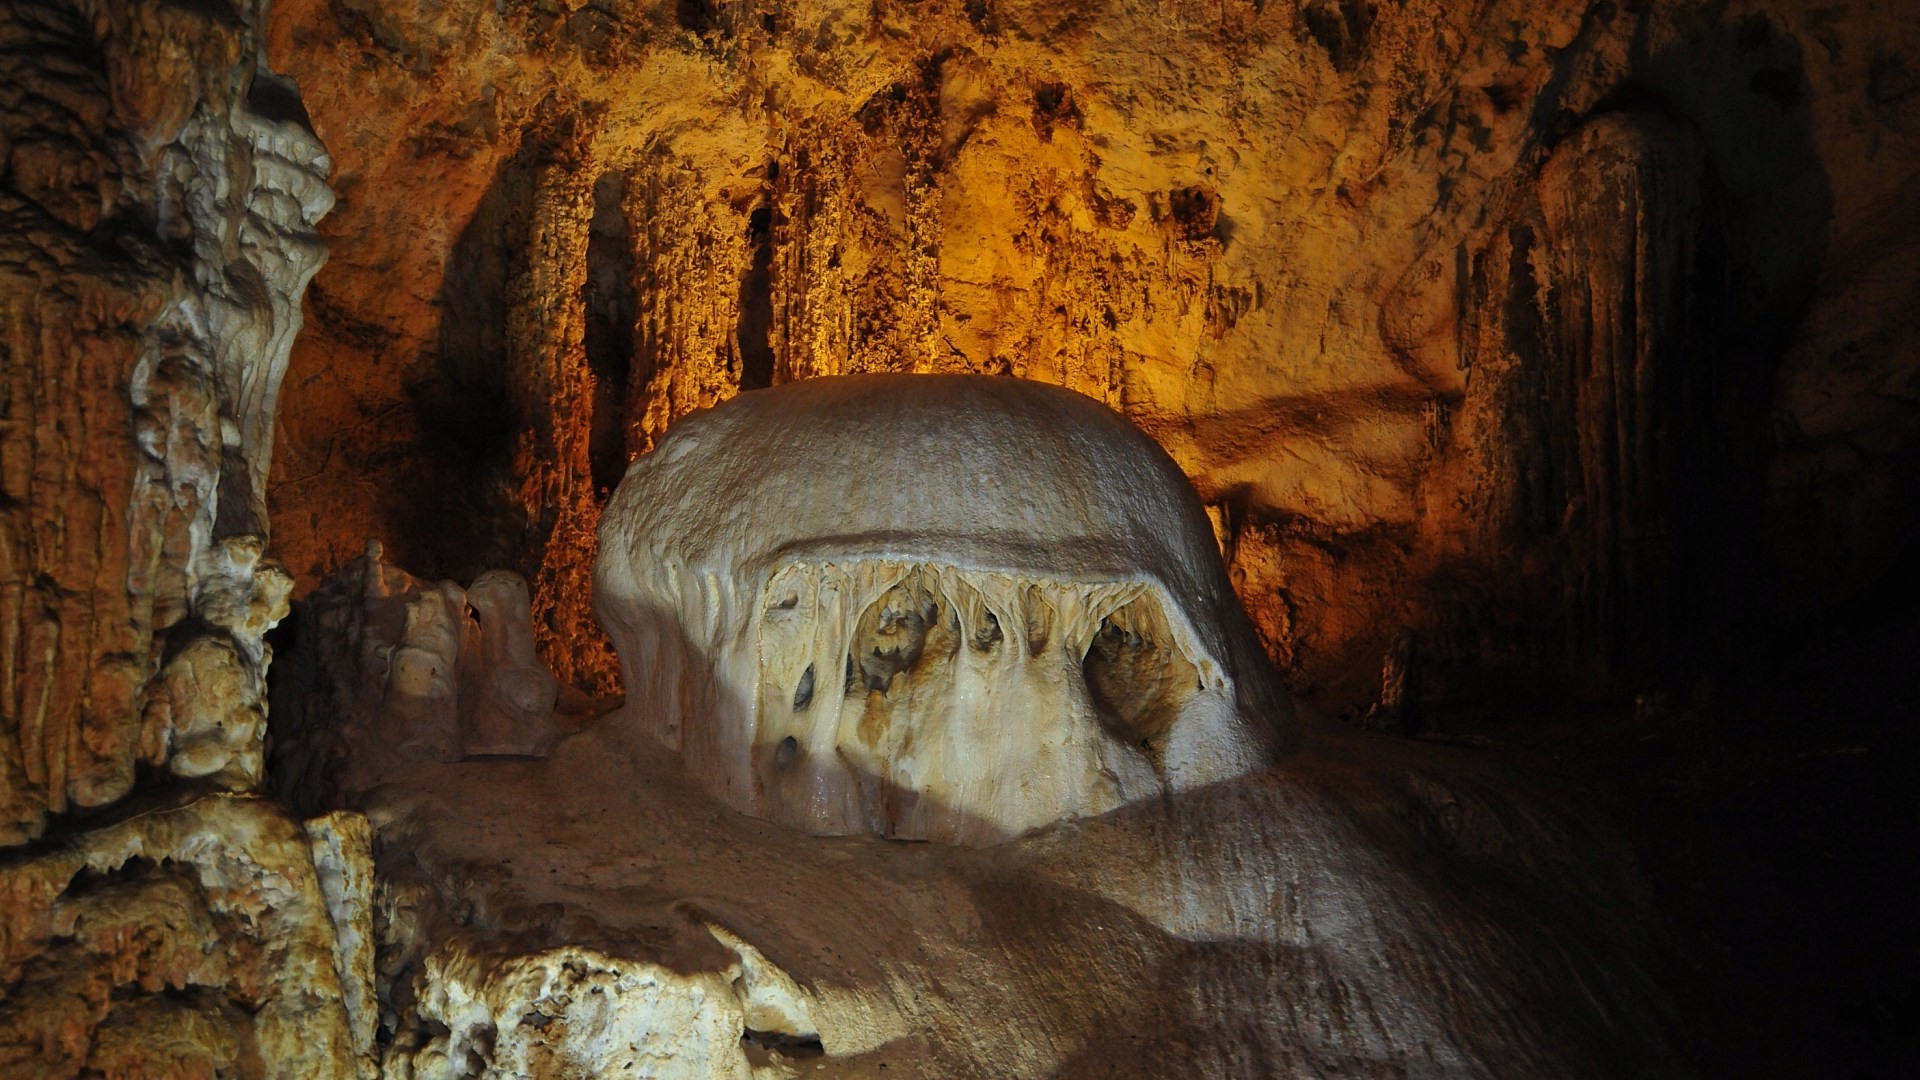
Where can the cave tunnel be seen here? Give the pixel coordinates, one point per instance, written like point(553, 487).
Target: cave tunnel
point(771, 538)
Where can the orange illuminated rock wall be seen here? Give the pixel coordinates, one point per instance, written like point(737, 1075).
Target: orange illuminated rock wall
point(1477, 321)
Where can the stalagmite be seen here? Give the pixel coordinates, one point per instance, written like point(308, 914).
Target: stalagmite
point(978, 611)
point(507, 695)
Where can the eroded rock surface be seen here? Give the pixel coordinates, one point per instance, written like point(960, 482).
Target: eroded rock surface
point(1371, 272)
point(1368, 907)
point(187, 941)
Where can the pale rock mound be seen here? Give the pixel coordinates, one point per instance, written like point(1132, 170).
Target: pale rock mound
point(929, 607)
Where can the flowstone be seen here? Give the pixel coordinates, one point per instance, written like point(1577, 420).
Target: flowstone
point(948, 608)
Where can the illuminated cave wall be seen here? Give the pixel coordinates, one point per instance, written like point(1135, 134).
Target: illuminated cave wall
point(1492, 322)
point(156, 234)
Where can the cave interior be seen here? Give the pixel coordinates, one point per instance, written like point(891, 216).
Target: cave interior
point(950, 538)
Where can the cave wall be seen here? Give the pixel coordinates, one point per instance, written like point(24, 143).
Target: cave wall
point(1524, 330)
point(158, 194)
point(160, 198)
point(1467, 320)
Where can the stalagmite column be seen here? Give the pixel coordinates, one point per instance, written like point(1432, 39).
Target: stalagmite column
point(551, 388)
point(964, 637)
point(1583, 433)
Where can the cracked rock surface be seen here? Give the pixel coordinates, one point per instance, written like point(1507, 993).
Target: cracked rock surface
point(195, 940)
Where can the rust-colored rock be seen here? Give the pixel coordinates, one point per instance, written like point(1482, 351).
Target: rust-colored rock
point(189, 941)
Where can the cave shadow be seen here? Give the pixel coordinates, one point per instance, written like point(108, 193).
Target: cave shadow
point(1485, 907)
point(1652, 594)
point(458, 515)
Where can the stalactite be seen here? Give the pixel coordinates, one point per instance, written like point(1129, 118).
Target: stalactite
point(690, 256)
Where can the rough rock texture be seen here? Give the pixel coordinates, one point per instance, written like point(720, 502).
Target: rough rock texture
point(1368, 271)
point(1374, 909)
point(159, 194)
point(186, 941)
point(931, 607)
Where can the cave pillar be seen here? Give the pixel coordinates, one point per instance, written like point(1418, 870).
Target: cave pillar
point(1620, 204)
point(814, 309)
point(1581, 445)
point(690, 257)
point(550, 387)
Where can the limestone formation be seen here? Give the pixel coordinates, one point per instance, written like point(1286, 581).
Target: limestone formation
point(423, 669)
point(1013, 665)
point(1385, 908)
point(1333, 255)
point(156, 234)
point(1530, 344)
point(930, 607)
point(391, 669)
point(508, 695)
point(190, 941)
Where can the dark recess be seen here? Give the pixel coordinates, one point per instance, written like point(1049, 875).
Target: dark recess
point(756, 305)
point(458, 516)
point(611, 305)
point(696, 16)
point(1340, 27)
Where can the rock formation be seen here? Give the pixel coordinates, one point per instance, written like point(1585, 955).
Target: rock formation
point(161, 194)
point(935, 607)
point(1333, 255)
point(507, 694)
point(217, 938)
point(391, 671)
point(1546, 349)
point(1068, 702)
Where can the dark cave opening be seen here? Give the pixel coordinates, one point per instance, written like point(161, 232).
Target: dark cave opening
point(755, 330)
point(611, 306)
